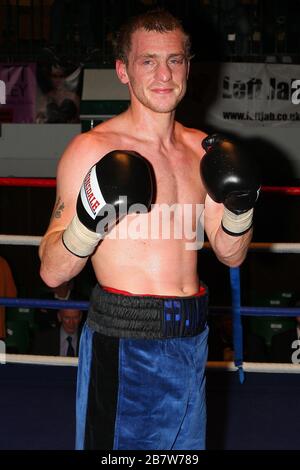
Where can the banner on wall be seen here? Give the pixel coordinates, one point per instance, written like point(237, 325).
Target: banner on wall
point(247, 94)
point(20, 93)
point(37, 93)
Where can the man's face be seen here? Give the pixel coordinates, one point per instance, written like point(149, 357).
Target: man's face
point(157, 69)
point(70, 320)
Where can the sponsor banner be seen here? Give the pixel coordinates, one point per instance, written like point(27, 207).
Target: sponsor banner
point(19, 85)
point(249, 94)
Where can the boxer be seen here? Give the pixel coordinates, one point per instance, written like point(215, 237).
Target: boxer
point(141, 376)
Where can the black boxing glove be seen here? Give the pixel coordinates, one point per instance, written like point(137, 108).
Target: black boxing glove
point(120, 179)
point(230, 177)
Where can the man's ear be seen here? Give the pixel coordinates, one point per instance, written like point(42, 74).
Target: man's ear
point(59, 316)
point(121, 71)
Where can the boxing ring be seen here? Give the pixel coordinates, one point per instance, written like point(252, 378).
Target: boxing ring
point(250, 405)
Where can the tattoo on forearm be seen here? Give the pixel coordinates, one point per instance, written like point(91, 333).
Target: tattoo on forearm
point(59, 207)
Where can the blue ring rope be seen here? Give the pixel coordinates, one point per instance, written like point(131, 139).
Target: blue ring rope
point(83, 305)
point(259, 311)
point(42, 303)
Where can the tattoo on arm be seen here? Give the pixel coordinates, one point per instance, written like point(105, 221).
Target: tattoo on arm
point(59, 207)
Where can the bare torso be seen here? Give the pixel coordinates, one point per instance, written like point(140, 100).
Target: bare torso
point(145, 265)
point(155, 72)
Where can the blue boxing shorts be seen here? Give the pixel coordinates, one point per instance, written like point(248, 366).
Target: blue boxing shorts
point(141, 374)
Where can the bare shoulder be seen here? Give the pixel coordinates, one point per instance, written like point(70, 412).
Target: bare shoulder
point(84, 146)
point(192, 138)
point(85, 149)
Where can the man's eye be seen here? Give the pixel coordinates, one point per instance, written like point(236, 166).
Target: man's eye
point(176, 61)
point(148, 62)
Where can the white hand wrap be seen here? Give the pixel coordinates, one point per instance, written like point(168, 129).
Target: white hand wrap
point(237, 224)
point(79, 240)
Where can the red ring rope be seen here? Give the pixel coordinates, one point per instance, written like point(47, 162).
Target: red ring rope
point(289, 190)
point(29, 182)
point(51, 183)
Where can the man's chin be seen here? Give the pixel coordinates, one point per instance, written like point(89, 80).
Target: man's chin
point(163, 108)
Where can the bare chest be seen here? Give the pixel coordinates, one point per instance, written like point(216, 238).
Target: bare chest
point(177, 180)
point(176, 171)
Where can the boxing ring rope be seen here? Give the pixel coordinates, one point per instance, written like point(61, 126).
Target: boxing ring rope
point(228, 366)
point(40, 360)
point(289, 248)
point(22, 240)
point(236, 309)
point(51, 183)
point(83, 305)
point(29, 182)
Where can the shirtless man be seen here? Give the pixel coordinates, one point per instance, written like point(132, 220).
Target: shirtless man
point(141, 378)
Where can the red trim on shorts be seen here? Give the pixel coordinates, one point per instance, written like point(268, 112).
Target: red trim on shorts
point(112, 290)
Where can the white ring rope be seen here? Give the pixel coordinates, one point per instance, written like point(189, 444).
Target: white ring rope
point(29, 240)
point(38, 360)
point(264, 367)
point(223, 366)
point(26, 240)
point(276, 247)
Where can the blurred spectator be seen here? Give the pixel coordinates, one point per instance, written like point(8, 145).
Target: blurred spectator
point(63, 339)
point(7, 289)
point(47, 317)
point(282, 345)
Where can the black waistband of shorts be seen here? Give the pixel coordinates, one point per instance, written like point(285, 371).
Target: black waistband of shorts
point(147, 317)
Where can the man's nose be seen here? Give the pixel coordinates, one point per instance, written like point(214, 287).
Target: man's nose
point(163, 72)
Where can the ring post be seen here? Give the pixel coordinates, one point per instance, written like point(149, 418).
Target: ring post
point(237, 323)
